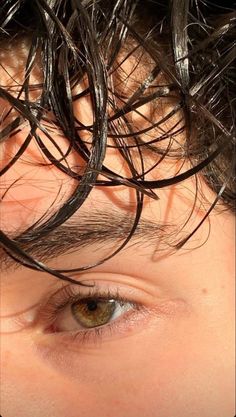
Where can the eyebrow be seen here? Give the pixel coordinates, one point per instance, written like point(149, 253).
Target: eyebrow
point(87, 229)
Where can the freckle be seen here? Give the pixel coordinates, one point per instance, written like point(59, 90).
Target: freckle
point(204, 291)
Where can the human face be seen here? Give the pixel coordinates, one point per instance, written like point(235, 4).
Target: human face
point(169, 351)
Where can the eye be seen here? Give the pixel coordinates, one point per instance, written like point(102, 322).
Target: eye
point(76, 315)
point(89, 313)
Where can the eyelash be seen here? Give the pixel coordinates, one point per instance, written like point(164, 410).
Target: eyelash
point(49, 312)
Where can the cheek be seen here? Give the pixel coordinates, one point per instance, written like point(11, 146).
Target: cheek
point(164, 371)
point(29, 388)
point(172, 370)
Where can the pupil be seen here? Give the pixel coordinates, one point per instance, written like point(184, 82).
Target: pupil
point(92, 305)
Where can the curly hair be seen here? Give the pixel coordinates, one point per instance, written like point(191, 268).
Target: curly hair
point(184, 52)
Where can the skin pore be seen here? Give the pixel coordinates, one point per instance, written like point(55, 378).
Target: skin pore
point(172, 355)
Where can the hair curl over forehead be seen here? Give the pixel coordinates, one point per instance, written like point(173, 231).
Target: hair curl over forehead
point(190, 45)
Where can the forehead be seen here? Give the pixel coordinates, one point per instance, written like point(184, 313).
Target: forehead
point(124, 81)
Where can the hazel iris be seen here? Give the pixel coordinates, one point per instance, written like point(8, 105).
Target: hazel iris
point(93, 312)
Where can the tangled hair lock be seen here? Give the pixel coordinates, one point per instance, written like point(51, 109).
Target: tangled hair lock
point(191, 47)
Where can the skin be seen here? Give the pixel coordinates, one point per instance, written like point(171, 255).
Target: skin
point(174, 357)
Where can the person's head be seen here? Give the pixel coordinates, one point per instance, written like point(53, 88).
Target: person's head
point(117, 208)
